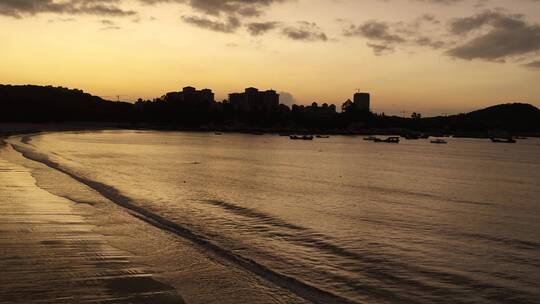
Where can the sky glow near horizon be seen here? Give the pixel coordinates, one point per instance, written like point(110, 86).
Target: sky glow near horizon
point(429, 56)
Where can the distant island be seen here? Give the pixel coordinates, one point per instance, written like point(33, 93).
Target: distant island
point(254, 110)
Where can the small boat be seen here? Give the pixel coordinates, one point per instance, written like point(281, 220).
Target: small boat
point(372, 138)
point(439, 141)
point(389, 140)
point(303, 137)
point(218, 133)
point(392, 140)
point(508, 140)
point(322, 136)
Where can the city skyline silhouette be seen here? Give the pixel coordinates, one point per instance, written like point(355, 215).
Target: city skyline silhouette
point(430, 57)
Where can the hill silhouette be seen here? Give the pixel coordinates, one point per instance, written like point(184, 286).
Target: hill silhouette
point(30, 103)
point(507, 116)
point(510, 117)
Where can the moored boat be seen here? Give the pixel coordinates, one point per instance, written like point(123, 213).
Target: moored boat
point(303, 137)
point(508, 140)
point(389, 140)
point(392, 140)
point(439, 141)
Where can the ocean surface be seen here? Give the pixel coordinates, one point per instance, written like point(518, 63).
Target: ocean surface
point(338, 220)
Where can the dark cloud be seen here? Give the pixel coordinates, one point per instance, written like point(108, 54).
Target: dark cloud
point(227, 8)
point(384, 37)
point(107, 22)
point(259, 28)
point(429, 42)
point(495, 18)
point(305, 31)
point(230, 24)
point(109, 25)
point(228, 15)
point(374, 30)
point(246, 8)
point(21, 8)
point(496, 36)
point(492, 35)
point(238, 7)
point(62, 20)
point(380, 49)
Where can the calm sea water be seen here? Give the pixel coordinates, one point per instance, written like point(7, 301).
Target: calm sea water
point(340, 219)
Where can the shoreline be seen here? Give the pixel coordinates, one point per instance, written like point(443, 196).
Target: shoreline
point(8, 129)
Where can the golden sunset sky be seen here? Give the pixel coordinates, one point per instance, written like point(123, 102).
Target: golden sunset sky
point(432, 56)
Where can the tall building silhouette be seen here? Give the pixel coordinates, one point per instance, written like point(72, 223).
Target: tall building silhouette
point(190, 96)
point(253, 100)
point(361, 102)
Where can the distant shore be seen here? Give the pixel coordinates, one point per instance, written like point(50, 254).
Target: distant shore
point(67, 108)
point(8, 129)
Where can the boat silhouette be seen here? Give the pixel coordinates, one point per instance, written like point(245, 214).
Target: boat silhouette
point(303, 137)
point(508, 140)
point(439, 141)
point(389, 140)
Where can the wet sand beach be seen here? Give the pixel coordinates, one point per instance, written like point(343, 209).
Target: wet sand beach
point(49, 253)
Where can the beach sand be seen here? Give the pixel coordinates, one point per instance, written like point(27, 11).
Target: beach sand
point(49, 253)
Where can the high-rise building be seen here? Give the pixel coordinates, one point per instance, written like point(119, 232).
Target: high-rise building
point(253, 100)
point(361, 102)
point(189, 96)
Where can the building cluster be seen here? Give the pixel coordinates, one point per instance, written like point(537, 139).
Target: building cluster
point(315, 108)
point(254, 101)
